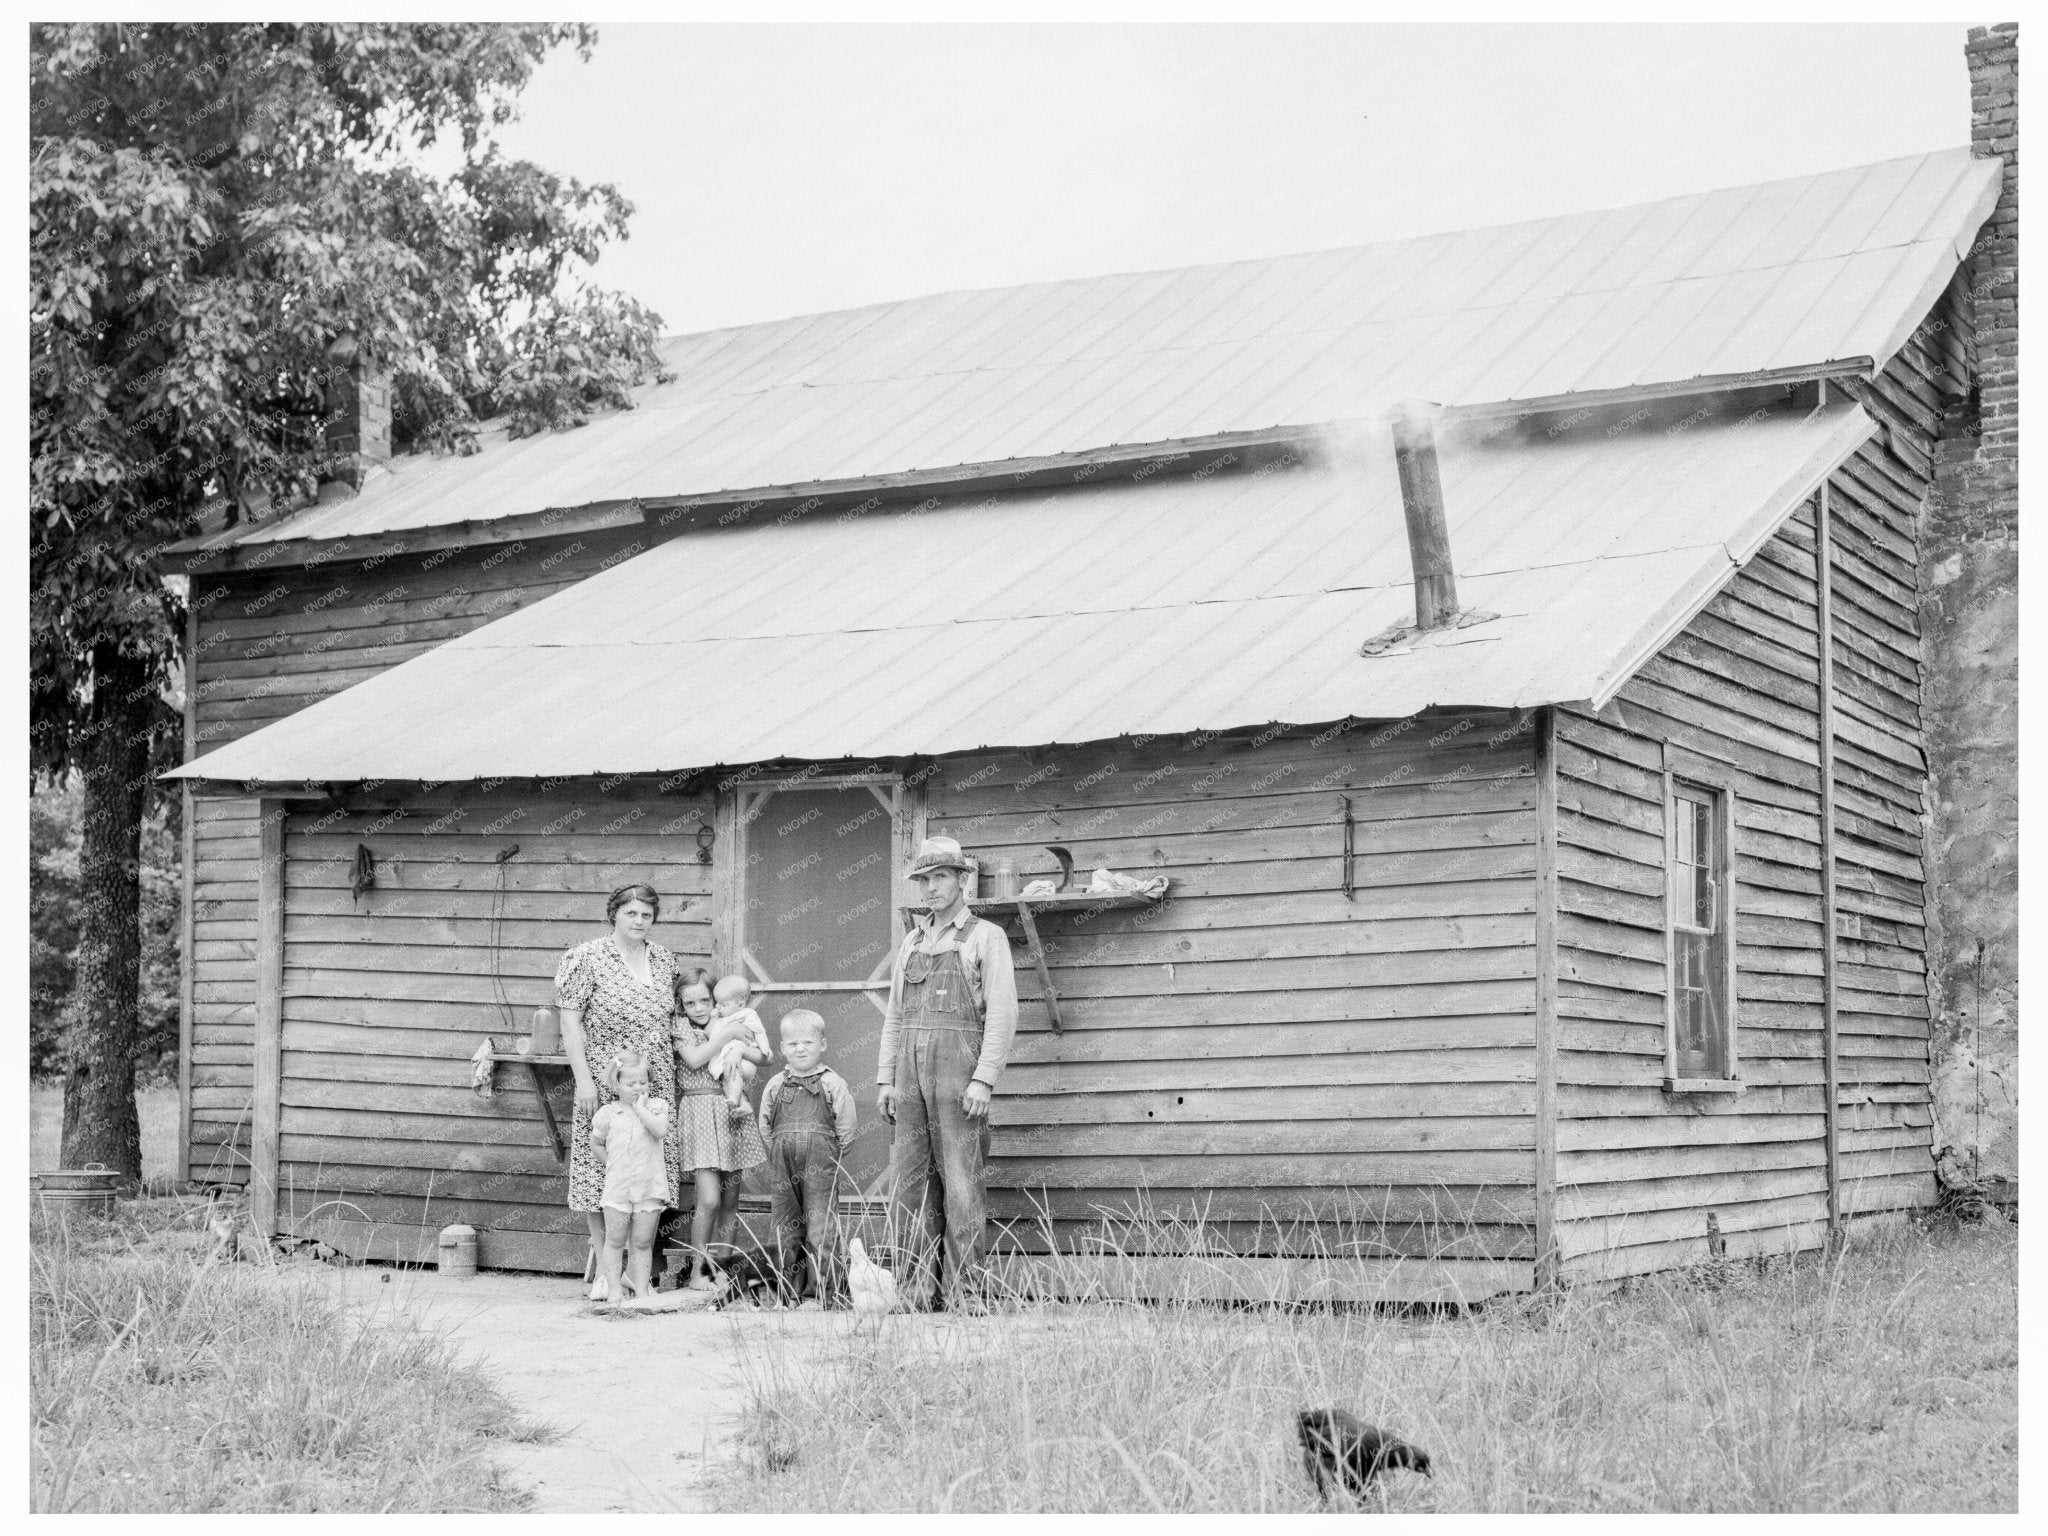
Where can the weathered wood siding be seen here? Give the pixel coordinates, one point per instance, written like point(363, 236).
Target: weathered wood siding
point(1639, 1169)
point(1302, 1072)
point(387, 996)
point(268, 643)
point(1298, 1070)
point(1886, 1122)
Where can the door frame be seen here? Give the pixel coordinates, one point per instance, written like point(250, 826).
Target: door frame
point(729, 874)
point(729, 867)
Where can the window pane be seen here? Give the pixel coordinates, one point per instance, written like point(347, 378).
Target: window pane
point(1700, 935)
point(1692, 1007)
point(1713, 1021)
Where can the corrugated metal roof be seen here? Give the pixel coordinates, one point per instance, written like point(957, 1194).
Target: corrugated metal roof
point(1788, 274)
point(1192, 599)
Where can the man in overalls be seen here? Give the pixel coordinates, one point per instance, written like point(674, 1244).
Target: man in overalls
point(945, 1038)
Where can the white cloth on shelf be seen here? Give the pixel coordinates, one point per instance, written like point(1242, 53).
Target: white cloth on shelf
point(1110, 882)
point(480, 1069)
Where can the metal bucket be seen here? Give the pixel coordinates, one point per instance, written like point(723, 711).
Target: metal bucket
point(89, 1189)
point(457, 1252)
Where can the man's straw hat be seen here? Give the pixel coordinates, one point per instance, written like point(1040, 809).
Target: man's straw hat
point(938, 853)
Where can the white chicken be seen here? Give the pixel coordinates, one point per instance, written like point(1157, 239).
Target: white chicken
point(873, 1287)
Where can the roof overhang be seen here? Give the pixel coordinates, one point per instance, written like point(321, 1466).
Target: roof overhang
point(1192, 598)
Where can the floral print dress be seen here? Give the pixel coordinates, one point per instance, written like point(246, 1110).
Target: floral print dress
point(620, 1013)
point(712, 1136)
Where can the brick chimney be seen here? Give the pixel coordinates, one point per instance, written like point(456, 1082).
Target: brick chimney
point(1969, 690)
point(1994, 58)
point(358, 424)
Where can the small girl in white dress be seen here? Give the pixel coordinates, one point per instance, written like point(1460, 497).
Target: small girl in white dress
point(628, 1134)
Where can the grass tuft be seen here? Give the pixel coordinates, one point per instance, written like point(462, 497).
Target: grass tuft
point(1882, 1378)
point(160, 1381)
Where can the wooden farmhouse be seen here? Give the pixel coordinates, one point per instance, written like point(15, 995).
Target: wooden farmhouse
point(1572, 932)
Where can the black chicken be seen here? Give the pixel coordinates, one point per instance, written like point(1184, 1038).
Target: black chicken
point(1335, 1443)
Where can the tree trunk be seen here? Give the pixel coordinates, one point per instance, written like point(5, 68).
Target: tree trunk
point(100, 1124)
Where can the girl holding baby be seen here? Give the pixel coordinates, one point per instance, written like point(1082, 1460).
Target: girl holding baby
point(714, 1145)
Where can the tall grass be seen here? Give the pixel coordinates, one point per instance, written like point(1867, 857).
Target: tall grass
point(160, 1380)
point(1883, 1378)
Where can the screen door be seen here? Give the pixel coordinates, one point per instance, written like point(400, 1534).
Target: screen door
point(816, 928)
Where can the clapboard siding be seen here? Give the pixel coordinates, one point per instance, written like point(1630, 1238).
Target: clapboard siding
point(268, 643)
point(271, 642)
point(1298, 1072)
point(1741, 685)
point(223, 972)
point(1886, 1123)
point(1639, 1168)
point(387, 996)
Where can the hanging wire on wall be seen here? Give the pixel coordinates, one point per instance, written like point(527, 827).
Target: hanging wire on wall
point(497, 949)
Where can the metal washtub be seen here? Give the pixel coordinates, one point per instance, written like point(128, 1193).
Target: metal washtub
point(89, 1189)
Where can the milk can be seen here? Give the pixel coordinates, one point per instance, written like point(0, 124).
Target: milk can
point(458, 1251)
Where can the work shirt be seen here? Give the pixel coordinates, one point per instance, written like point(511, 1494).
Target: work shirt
point(844, 1115)
point(991, 987)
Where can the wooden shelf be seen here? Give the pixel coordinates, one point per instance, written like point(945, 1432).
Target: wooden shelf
point(1028, 909)
point(533, 1064)
point(1065, 901)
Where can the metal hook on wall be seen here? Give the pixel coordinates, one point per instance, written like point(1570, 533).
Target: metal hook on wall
point(363, 877)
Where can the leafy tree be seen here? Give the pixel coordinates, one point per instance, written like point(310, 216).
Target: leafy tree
point(222, 217)
point(52, 921)
point(53, 928)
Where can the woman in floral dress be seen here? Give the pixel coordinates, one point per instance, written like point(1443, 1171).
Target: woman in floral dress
point(617, 993)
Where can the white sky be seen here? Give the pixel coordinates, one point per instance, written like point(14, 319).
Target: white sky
point(780, 170)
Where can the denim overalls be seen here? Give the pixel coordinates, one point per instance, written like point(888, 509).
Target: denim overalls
point(803, 1185)
point(939, 1151)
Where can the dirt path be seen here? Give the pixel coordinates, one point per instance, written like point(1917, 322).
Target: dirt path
point(645, 1403)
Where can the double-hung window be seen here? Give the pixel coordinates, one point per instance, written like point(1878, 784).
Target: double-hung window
point(1699, 926)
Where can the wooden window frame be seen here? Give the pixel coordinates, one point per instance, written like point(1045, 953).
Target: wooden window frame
point(1704, 774)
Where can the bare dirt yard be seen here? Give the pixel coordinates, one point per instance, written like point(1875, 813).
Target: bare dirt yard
point(647, 1411)
point(639, 1403)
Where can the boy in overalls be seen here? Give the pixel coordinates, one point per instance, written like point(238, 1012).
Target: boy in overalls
point(945, 1039)
point(807, 1119)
